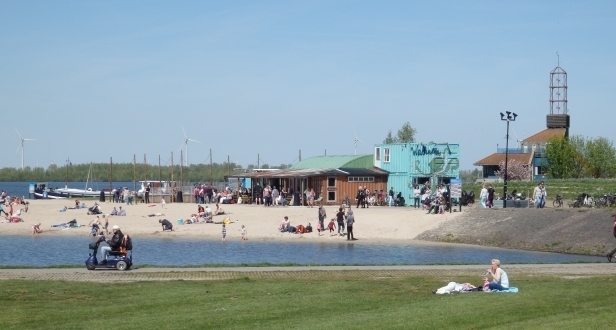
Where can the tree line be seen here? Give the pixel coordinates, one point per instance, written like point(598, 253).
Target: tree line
point(126, 172)
point(579, 157)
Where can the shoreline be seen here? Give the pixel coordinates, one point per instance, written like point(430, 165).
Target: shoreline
point(374, 225)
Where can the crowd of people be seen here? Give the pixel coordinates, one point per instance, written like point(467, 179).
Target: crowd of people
point(343, 219)
point(123, 195)
point(434, 202)
point(12, 207)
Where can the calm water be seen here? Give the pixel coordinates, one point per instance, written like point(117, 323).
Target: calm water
point(54, 250)
point(21, 188)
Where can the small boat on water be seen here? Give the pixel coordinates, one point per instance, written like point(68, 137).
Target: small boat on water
point(81, 193)
point(42, 190)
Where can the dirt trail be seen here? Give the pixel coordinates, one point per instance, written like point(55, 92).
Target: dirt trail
point(307, 272)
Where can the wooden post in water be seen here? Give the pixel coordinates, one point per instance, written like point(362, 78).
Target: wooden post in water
point(68, 161)
point(211, 176)
point(110, 175)
point(181, 172)
point(173, 196)
point(134, 172)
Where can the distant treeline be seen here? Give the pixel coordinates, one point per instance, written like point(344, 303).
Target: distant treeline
point(125, 172)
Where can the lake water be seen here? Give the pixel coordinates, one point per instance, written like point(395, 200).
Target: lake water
point(21, 188)
point(53, 250)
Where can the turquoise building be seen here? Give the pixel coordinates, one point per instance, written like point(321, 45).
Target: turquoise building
point(416, 163)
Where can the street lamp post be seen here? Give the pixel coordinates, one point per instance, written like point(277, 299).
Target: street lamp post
point(508, 118)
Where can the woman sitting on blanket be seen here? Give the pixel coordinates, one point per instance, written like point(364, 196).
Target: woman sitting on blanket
point(500, 281)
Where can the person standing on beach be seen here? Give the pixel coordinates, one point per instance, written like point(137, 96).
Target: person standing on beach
point(360, 196)
point(340, 220)
point(350, 220)
point(244, 234)
point(162, 202)
point(208, 193)
point(147, 194)
point(276, 196)
point(224, 232)
point(416, 196)
point(322, 216)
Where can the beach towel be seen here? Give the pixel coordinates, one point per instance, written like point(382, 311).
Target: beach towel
point(511, 289)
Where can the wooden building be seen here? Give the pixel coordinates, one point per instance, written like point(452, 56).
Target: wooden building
point(331, 177)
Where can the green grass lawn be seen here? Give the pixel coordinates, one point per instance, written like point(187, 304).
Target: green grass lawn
point(569, 188)
point(337, 300)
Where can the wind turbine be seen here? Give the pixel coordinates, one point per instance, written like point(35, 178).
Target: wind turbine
point(356, 140)
point(21, 145)
point(185, 143)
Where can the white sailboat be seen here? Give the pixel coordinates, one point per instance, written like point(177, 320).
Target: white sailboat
point(86, 192)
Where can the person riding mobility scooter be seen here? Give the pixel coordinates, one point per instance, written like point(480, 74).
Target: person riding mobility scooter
point(118, 248)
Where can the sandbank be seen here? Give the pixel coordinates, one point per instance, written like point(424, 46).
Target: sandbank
point(379, 224)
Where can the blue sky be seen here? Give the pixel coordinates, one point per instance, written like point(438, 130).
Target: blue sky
point(93, 80)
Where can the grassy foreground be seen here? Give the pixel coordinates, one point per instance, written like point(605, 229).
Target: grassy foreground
point(336, 301)
point(325, 303)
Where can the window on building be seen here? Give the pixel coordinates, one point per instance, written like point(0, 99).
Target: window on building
point(386, 156)
point(331, 181)
point(361, 179)
point(331, 196)
point(377, 154)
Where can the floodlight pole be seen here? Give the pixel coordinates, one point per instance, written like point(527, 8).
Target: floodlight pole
point(509, 118)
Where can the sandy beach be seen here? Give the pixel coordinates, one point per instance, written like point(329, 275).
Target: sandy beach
point(374, 224)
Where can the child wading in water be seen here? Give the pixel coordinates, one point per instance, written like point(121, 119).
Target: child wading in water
point(243, 231)
point(224, 232)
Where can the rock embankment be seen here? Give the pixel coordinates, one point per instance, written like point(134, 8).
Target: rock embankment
point(579, 231)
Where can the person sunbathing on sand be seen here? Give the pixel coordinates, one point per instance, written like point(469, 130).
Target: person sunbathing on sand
point(153, 215)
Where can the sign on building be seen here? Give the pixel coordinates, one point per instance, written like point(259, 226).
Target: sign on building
point(455, 188)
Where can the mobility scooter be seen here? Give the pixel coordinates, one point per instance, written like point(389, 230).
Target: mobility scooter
point(120, 260)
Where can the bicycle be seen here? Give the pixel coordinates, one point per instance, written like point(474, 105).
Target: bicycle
point(558, 202)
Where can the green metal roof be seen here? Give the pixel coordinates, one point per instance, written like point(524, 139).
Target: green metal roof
point(352, 161)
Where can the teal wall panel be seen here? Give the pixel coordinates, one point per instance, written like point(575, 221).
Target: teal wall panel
point(411, 162)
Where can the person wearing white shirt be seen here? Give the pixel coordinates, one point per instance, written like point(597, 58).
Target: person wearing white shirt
point(483, 195)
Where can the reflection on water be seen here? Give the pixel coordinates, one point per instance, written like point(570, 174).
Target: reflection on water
point(54, 250)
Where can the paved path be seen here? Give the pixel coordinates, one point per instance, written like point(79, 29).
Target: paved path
point(220, 273)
